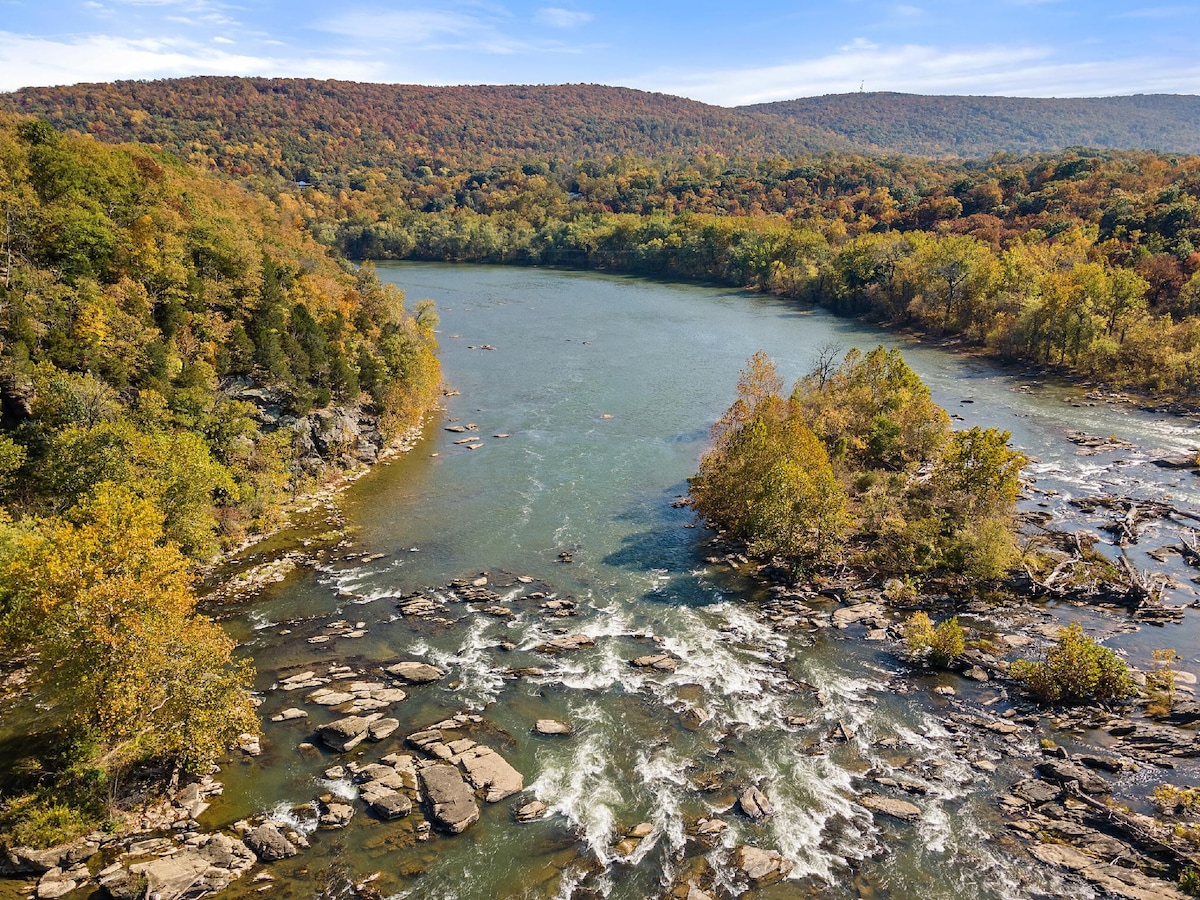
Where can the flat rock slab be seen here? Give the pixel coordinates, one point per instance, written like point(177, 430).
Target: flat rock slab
point(848, 615)
point(566, 644)
point(762, 866)
point(551, 727)
point(452, 804)
point(416, 672)
point(172, 876)
point(897, 809)
point(1113, 880)
point(490, 773)
point(346, 734)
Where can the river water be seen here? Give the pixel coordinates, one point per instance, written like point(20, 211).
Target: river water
point(607, 387)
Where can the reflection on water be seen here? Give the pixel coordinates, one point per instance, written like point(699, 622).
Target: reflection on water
point(606, 388)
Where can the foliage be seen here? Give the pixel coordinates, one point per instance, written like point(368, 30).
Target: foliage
point(939, 646)
point(1160, 682)
point(768, 479)
point(42, 819)
point(859, 462)
point(144, 300)
point(128, 663)
point(1075, 670)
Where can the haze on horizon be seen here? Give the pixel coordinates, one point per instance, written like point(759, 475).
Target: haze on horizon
point(769, 50)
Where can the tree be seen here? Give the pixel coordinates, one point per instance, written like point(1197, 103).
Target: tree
point(126, 662)
point(1076, 669)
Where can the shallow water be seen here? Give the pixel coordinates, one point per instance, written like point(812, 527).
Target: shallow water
point(607, 387)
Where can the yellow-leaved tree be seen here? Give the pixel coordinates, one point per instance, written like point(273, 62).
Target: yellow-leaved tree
point(128, 667)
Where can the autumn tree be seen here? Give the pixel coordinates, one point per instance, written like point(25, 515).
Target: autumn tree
point(124, 662)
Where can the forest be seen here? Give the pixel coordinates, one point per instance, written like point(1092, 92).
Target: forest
point(170, 346)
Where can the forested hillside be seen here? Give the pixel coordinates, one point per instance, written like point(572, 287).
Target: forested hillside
point(346, 134)
point(919, 125)
point(170, 347)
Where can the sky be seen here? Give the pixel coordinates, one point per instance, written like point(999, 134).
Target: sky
point(724, 53)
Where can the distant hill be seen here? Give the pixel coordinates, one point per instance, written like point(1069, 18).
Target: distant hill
point(343, 133)
point(919, 125)
point(310, 130)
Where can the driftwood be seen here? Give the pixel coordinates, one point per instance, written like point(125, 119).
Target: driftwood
point(1189, 550)
point(1134, 513)
point(1134, 588)
point(1134, 832)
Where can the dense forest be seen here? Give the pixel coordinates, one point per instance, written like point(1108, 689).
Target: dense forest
point(178, 358)
point(939, 126)
point(349, 135)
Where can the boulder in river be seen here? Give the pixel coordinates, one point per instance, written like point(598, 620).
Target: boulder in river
point(762, 866)
point(529, 812)
point(755, 804)
point(566, 643)
point(346, 734)
point(452, 804)
point(416, 672)
point(490, 773)
point(269, 844)
point(335, 814)
point(660, 661)
point(551, 727)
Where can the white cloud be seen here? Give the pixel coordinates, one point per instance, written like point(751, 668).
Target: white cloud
point(438, 30)
point(557, 17)
point(26, 60)
point(1012, 71)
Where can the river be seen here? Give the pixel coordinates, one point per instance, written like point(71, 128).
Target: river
point(606, 388)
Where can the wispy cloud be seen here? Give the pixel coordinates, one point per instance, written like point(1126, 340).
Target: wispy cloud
point(470, 29)
point(26, 60)
point(1013, 71)
point(557, 17)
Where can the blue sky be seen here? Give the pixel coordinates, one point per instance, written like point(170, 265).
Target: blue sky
point(725, 53)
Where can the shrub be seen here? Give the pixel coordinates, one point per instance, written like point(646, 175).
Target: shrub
point(1160, 683)
point(939, 646)
point(1074, 670)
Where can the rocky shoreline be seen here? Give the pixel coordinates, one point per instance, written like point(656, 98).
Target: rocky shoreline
point(430, 779)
